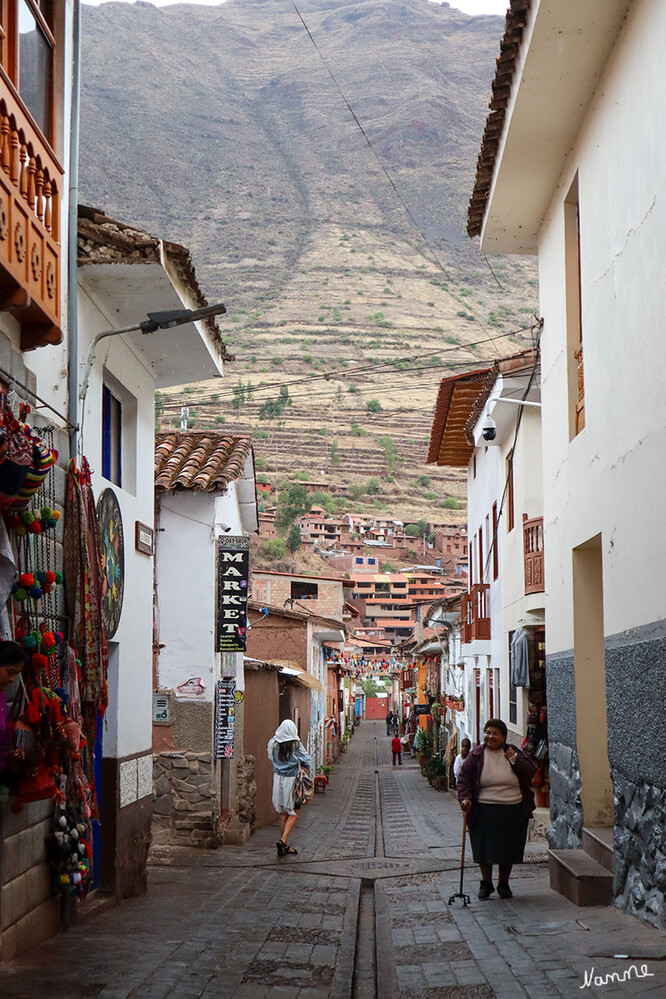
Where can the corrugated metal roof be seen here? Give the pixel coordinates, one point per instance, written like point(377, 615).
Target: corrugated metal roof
point(199, 460)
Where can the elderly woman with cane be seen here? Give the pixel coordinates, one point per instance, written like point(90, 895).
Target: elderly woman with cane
point(286, 753)
point(494, 791)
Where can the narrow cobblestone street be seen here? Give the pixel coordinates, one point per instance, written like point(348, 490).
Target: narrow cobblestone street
point(362, 911)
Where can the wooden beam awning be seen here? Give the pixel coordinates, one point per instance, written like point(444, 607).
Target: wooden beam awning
point(457, 396)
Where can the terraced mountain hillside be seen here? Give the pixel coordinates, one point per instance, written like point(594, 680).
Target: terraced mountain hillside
point(338, 245)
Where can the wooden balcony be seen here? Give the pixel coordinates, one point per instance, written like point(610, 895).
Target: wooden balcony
point(30, 218)
point(533, 554)
point(475, 620)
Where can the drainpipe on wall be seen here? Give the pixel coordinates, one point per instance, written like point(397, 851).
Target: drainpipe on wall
point(72, 225)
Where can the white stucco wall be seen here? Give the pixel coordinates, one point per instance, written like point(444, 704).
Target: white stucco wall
point(611, 478)
point(129, 719)
point(189, 522)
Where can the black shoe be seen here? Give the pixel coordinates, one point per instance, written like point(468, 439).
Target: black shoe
point(504, 891)
point(281, 848)
point(486, 888)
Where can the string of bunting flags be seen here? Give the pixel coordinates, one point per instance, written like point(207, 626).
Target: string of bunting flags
point(365, 665)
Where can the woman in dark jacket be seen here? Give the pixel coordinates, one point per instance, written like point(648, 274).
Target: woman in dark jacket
point(494, 789)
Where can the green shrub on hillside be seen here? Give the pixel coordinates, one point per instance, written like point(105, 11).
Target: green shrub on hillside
point(276, 548)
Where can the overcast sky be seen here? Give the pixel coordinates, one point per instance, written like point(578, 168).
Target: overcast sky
point(468, 6)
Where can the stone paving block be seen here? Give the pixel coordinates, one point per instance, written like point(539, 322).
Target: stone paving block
point(298, 953)
point(425, 934)
point(411, 976)
point(249, 990)
point(438, 974)
point(447, 934)
point(323, 954)
point(329, 922)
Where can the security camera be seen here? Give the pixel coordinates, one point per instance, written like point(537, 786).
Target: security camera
point(489, 429)
point(224, 527)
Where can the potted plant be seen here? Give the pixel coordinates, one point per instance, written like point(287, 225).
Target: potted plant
point(435, 770)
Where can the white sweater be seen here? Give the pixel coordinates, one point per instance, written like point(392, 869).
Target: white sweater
point(499, 784)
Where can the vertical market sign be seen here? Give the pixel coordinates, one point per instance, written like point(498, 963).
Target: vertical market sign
point(233, 564)
point(226, 698)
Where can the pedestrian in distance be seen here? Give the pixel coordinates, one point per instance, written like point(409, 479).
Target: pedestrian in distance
point(396, 747)
point(389, 723)
point(494, 791)
point(465, 747)
point(287, 754)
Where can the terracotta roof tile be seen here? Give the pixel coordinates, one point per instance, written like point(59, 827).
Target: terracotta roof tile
point(516, 19)
point(199, 460)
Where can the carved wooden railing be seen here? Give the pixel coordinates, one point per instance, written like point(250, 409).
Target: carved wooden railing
point(533, 554)
point(474, 613)
point(30, 199)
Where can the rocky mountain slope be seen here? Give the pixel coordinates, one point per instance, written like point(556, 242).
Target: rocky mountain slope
point(336, 239)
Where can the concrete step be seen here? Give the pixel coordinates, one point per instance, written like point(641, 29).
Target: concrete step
point(574, 874)
point(598, 843)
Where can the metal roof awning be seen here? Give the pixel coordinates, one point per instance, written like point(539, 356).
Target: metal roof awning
point(297, 673)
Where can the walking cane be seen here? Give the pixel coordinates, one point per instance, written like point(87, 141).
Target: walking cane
point(460, 894)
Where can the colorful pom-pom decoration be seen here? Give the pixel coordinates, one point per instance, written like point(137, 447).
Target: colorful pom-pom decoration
point(29, 642)
point(39, 661)
point(35, 527)
point(59, 637)
point(27, 517)
point(55, 514)
point(21, 531)
point(48, 639)
point(26, 579)
point(50, 577)
point(45, 512)
point(40, 576)
point(36, 592)
point(21, 594)
point(58, 578)
point(46, 588)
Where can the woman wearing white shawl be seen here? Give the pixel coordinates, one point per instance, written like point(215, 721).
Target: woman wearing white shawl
point(286, 753)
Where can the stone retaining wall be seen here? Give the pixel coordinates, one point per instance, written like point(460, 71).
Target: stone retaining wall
point(640, 849)
point(566, 809)
point(186, 807)
point(247, 791)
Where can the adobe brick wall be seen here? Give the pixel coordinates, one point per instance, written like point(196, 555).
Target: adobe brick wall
point(276, 590)
point(277, 638)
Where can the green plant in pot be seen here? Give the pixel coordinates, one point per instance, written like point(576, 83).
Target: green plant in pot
point(434, 767)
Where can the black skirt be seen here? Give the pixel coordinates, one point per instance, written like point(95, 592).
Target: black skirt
point(498, 834)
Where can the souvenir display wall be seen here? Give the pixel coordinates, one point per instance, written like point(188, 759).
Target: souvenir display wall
point(50, 723)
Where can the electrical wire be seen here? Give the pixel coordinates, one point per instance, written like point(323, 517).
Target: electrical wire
point(378, 367)
point(384, 170)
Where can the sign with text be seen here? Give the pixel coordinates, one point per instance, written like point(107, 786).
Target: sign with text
point(233, 565)
point(422, 709)
point(225, 717)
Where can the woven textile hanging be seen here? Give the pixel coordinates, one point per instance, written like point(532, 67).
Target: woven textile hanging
point(83, 587)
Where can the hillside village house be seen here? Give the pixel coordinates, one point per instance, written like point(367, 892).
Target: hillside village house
point(571, 170)
point(206, 508)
